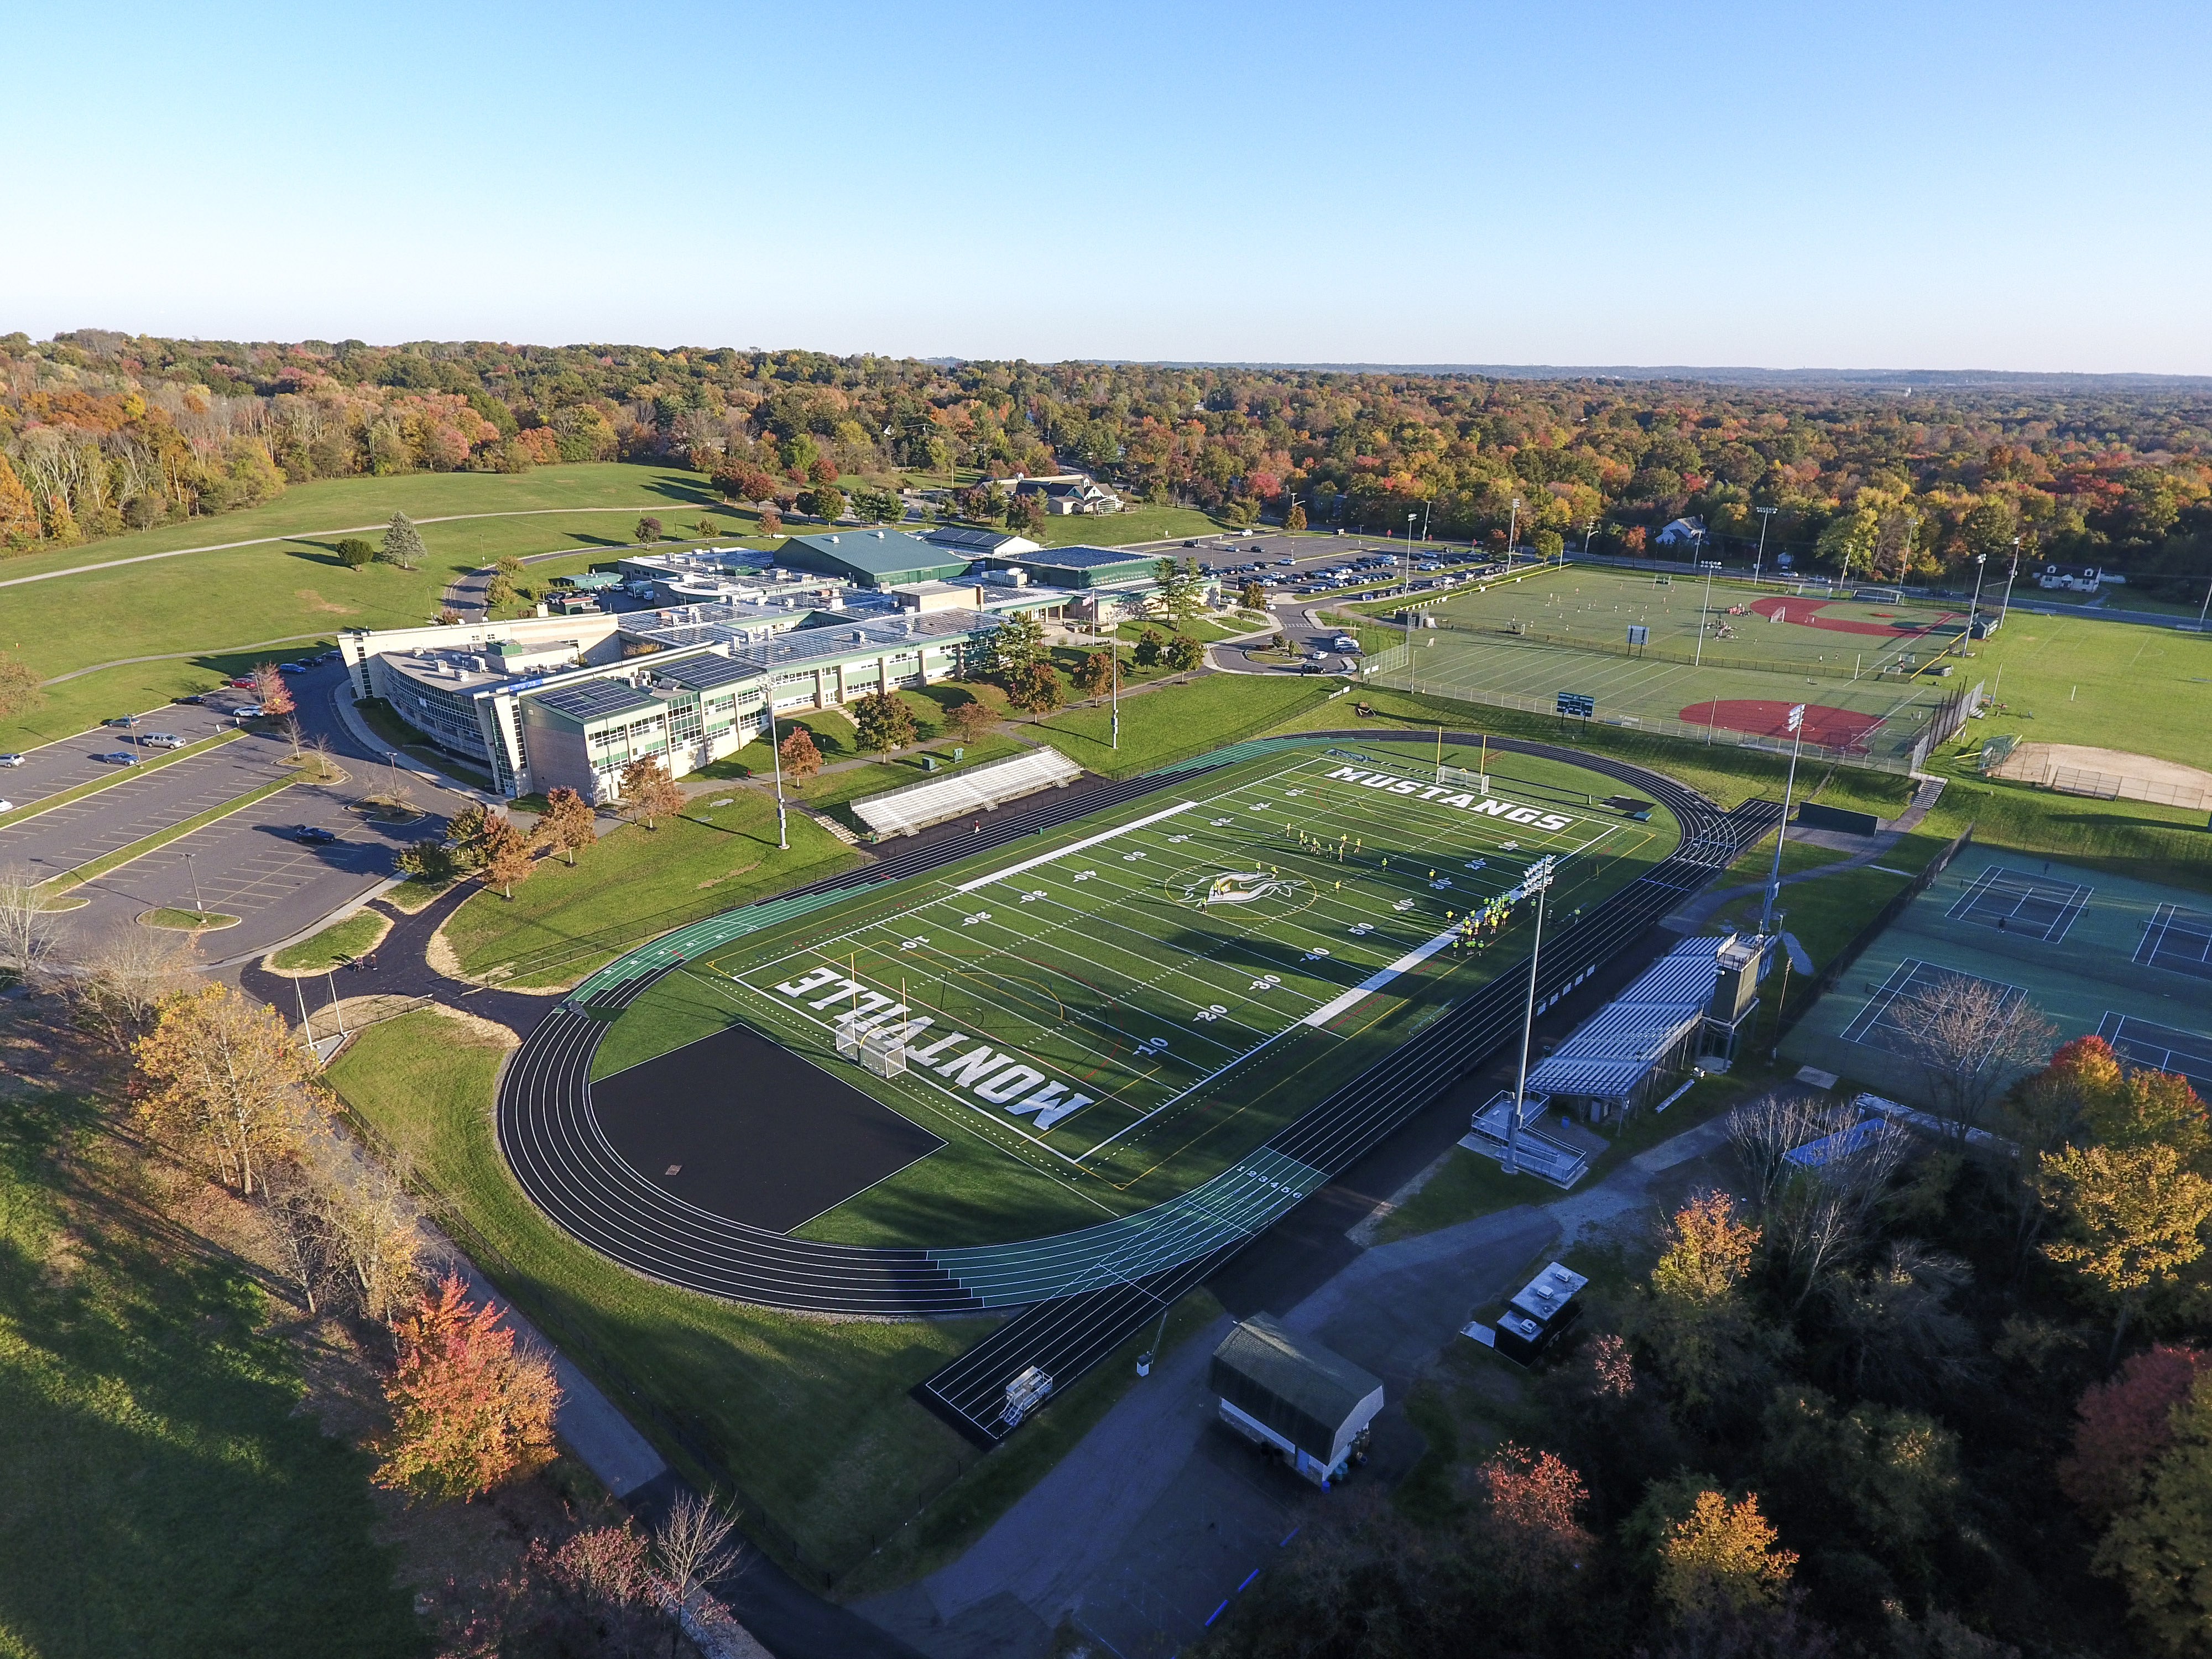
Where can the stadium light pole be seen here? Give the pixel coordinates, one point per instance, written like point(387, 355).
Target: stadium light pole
point(1711, 565)
point(1782, 830)
point(1758, 559)
point(2012, 575)
point(1539, 882)
point(776, 761)
point(1512, 533)
point(1974, 606)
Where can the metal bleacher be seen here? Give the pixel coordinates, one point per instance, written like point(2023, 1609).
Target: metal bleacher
point(915, 806)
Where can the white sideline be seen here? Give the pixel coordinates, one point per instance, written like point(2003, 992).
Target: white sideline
point(1077, 847)
point(1374, 981)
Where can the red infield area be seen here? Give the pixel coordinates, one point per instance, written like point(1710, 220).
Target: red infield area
point(1835, 728)
point(1806, 613)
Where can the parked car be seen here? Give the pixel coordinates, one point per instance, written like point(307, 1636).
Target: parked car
point(7, 805)
point(13, 760)
point(126, 722)
point(117, 757)
point(243, 683)
point(247, 711)
point(291, 668)
point(162, 740)
point(313, 834)
point(192, 696)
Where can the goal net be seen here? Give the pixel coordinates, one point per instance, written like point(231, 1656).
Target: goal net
point(880, 1054)
point(1462, 778)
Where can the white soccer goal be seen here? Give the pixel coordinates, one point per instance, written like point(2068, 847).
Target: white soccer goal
point(882, 1054)
point(1478, 781)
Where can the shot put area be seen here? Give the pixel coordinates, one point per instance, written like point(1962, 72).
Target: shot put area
point(1724, 661)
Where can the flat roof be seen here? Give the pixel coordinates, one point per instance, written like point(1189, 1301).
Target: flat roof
point(863, 638)
point(601, 700)
point(707, 671)
point(1082, 556)
point(878, 552)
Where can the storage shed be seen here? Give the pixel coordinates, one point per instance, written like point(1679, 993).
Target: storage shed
point(1311, 1405)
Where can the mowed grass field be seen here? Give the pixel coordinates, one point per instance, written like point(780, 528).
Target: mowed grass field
point(1099, 1024)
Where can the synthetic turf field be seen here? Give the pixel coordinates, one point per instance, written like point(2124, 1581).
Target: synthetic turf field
point(1115, 1017)
point(1852, 660)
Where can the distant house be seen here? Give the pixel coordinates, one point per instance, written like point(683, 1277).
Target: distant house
point(1069, 493)
point(1682, 532)
point(2077, 579)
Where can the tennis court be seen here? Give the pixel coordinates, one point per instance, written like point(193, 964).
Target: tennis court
point(2177, 940)
point(2161, 1049)
point(2093, 953)
point(2029, 906)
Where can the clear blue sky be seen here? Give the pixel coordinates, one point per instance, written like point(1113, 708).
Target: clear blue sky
point(2014, 185)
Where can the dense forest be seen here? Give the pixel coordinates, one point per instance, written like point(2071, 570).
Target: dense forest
point(101, 433)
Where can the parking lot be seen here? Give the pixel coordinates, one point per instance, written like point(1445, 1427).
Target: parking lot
point(63, 765)
point(80, 830)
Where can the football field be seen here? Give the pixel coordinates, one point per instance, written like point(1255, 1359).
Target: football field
point(1128, 1009)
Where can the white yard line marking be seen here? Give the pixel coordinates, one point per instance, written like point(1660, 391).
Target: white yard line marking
point(1072, 847)
point(1413, 959)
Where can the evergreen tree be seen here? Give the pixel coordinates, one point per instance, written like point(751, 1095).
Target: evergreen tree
point(402, 543)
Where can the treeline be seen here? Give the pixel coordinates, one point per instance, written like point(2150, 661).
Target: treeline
point(103, 432)
point(1892, 1396)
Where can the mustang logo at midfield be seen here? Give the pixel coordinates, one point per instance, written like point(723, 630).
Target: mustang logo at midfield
point(1240, 887)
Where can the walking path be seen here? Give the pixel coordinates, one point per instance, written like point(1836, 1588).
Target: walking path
point(1157, 1518)
point(1693, 913)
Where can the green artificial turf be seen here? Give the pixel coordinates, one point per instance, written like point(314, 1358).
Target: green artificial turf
point(1135, 524)
point(165, 1493)
point(809, 1417)
point(2129, 686)
point(635, 883)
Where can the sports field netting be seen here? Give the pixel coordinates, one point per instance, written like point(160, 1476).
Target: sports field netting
point(1878, 1024)
point(1865, 668)
point(2161, 1049)
point(2031, 906)
point(2177, 940)
point(1095, 1007)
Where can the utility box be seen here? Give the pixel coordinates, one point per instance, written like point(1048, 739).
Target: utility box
point(1532, 1321)
point(1290, 1396)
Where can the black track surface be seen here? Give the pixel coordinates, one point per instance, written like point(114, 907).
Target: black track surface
point(563, 1159)
point(748, 1130)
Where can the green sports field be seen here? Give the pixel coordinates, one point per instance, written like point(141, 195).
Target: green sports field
point(1732, 665)
point(1099, 1021)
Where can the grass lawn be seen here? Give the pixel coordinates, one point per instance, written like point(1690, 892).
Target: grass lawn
point(810, 1416)
point(349, 938)
point(1136, 524)
point(187, 921)
point(164, 1493)
point(290, 585)
point(562, 922)
point(1178, 720)
point(2144, 690)
point(382, 717)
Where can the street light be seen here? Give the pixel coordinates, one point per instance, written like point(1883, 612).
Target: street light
point(1774, 876)
point(1512, 534)
point(1758, 559)
point(1537, 880)
point(776, 761)
point(198, 907)
point(2004, 608)
point(1711, 566)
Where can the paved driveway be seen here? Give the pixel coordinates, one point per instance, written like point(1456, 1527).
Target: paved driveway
point(80, 830)
point(63, 765)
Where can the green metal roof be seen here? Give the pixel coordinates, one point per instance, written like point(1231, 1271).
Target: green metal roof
point(880, 557)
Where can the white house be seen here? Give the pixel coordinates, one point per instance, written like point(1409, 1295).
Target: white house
point(1682, 532)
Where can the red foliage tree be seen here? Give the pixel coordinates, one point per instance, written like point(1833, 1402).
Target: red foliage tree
point(467, 1409)
point(270, 690)
point(822, 471)
point(1534, 1513)
point(2124, 1426)
point(801, 759)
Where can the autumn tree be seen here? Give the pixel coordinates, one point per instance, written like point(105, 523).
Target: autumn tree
point(1184, 653)
point(694, 1546)
point(403, 544)
point(1035, 688)
point(121, 981)
point(1025, 514)
point(20, 691)
point(1722, 1555)
point(468, 1410)
point(1094, 673)
point(771, 522)
point(971, 720)
point(648, 792)
point(2134, 1219)
point(1150, 645)
point(825, 502)
point(647, 531)
point(1531, 1516)
point(2160, 1550)
point(1691, 1312)
point(568, 822)
point(797, 756)
point(507, 859)
point(1254, 597)
point(883, 722)
point(270, 690)
point(1295, 518)
point(227, 1081)
point(2122, 1427)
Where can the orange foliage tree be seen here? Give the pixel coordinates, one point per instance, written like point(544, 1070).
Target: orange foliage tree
point(467, 1410)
